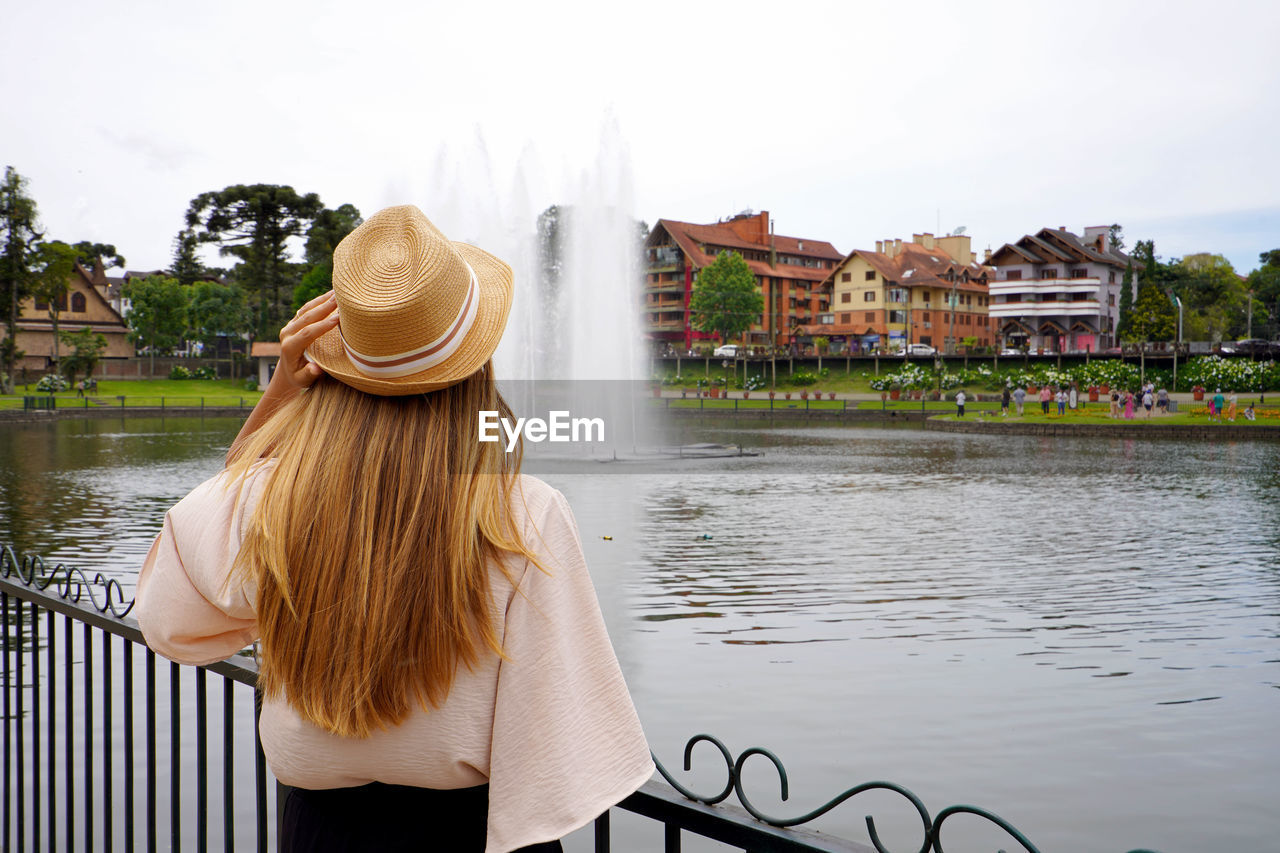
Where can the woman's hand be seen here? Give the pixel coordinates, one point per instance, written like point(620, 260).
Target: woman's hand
point(312, 320)
point(294, 372)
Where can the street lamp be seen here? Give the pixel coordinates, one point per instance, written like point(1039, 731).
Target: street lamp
point(1177, 343)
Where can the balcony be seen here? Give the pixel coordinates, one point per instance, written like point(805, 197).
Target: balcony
point(664, 258)
point(1080, 307)
point(664, 287)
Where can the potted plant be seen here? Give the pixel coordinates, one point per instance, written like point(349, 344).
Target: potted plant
point(746, 395)
point(772, 394)
point(804, 395)
point(831, 395)
point(884, 395)
point(1093, 393)
point(895, 393)
point(1197, 392)
point(1104, 388)
point(1032, 388)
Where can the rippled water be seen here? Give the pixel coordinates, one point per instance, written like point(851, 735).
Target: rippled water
point(1082, 635)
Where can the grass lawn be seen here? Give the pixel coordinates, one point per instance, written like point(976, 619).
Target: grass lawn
point(147, 392)
point(1097, 413)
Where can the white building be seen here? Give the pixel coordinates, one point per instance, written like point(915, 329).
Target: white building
point(1057, 292)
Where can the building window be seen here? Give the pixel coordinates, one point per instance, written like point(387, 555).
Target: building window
point(897, 316)
point(1013, 275)
point(870, 275)
point(846, 276)
point(926, 316)
point(77, 302)
point(1079, 272)
point(846, 297)
point(869, 296)
point(1111, 277)
point(871, 316)
point(925, 296)
point(1048, 273)
point(1111, 299)
point(896, 294)
point(846, 318)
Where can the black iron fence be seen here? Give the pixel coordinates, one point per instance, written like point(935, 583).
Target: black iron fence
point(103, 751)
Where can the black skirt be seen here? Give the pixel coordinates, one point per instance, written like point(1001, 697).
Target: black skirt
point(389, 818)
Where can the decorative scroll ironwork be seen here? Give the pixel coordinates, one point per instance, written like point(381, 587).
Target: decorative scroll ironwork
point(73, 585)
point(69, 583)
point(931, 828)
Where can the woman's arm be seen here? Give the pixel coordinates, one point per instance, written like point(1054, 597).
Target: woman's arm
point(294, 372)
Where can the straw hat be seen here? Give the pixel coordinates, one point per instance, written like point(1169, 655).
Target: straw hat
point(417, 311)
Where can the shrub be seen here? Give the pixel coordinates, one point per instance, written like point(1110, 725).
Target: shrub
point(179, 372)
point(51, 383)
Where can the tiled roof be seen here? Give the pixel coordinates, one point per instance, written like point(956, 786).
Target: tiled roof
point(690, 236)
point(916, 265)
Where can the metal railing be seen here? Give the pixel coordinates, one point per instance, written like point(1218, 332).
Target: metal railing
point(76, 776)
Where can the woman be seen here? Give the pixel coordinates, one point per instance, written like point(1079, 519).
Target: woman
point(1128, 405)
point(434, 666)
point(1231, 406)
point(1115, 402)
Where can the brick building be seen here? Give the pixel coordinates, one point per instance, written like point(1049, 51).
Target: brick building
point(788, 271)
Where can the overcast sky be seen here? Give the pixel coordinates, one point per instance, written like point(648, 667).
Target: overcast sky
point(848, 121)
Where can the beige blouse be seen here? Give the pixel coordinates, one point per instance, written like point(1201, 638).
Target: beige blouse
point(552, 729)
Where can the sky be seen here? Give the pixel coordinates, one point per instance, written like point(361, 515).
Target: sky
point(848, 121)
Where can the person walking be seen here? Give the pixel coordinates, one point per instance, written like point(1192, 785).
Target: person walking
point(433, 665)
point(1061, 399)
point(1162, 401)
point(960, 398)
point(1019, 397)
point(1115, 403)
point(1218, 403)
point(1128, 405)
point(1046, 394)
point(1231, 406)
point(1004, 401)
point(1148, 401)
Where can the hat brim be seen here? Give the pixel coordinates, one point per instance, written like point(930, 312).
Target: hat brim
point(495, 291)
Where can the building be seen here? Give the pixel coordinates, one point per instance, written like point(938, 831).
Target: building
point(84, 305)
point(1056, 292)
point(929, 290)
point(788, 271)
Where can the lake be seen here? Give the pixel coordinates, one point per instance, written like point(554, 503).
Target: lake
point(1078, 634)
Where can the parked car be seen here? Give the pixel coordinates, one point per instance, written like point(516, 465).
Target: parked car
point(1010, 351)
point(1253, 346)
point(920, 349)
point(726, 351)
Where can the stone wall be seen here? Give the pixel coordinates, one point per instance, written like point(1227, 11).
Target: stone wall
point(1188, 432)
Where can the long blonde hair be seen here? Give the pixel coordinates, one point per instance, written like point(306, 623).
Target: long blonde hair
point(371, 547)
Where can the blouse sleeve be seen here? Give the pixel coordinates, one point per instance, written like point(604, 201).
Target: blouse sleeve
point(567, 743)
point(186, 609)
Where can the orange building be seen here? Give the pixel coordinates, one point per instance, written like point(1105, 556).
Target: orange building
point(788, 271)
point(930, 290)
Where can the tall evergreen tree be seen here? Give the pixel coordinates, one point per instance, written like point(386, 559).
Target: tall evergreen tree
point(18, 236)
point(254, 223)
point(186, 267)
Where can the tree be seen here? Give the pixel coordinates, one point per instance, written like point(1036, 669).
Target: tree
point(326, 232)
point(18, 236)
point(725, 298)
point(1115, 238)
point(90, 254)
point(1264, 283)
point(254, 223)
point(1153, 317)
point(186, 267)
point(1126, 302)
point(51, 272)
point(1213, 294)
point(159, 313)
point(87, 347)
point(217, 309)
